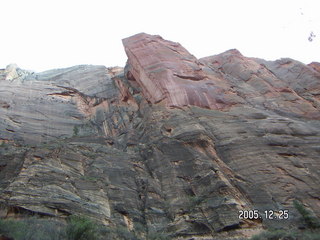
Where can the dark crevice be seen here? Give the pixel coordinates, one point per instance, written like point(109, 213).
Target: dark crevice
point(231, 227)
point(191, 77)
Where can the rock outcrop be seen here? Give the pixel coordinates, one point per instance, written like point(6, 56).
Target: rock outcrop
point(168, 72)
point(170, 143)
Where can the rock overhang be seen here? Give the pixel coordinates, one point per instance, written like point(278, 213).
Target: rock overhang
point(166, 71)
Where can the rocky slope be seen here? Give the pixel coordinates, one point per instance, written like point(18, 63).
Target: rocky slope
point(170, 143)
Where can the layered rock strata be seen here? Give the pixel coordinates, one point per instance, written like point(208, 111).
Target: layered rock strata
point(169, 144)
point(168, 72)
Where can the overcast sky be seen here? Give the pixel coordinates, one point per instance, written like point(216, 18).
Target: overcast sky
point(41, 34)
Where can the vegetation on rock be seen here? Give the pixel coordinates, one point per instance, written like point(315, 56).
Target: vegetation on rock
point(310, 231)
point(32, 229)
point(308, 218)
point(80, 228)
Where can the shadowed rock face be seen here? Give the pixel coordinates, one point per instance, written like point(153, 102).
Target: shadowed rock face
point(170, 143)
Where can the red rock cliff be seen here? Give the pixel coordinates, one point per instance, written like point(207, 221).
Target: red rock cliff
point(168, 72)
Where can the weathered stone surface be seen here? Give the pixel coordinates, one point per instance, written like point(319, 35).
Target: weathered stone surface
point(48, 105)
point(315, 66)
point(134, 147)
point(284, 85)
point(168, 72)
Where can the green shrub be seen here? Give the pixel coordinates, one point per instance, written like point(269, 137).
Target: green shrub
point(310, 220)
point(287, 235)
point(117, 233)
point(310, 236)
point(139, 227)
point(12, 228)
point(75, 131)
point(44, 229)
point(80, 228)
point(275, 235)
point(32, 228)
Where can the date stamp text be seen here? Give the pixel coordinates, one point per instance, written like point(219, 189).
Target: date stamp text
point(267, 214)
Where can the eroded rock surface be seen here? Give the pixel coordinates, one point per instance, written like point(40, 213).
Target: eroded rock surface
point(168, 72)
point(49, 105)
point(168, 144)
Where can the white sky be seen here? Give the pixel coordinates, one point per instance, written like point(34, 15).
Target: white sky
point(42, 34)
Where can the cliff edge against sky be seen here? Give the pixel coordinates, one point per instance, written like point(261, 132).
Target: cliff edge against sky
point(169, 144)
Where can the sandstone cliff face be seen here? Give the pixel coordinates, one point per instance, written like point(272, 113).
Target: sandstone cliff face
point(170, 143)
point(168, 72)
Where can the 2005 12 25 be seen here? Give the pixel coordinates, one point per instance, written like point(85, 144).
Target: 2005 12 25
point(267, 214)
